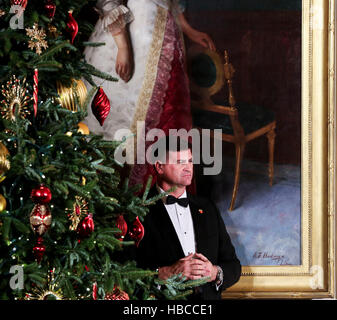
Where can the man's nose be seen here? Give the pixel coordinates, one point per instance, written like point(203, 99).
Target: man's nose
point(189, 167)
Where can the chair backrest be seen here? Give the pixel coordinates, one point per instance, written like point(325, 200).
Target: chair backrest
point(208, 72)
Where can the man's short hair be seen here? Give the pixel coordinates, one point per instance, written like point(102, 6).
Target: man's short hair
point(169, 143)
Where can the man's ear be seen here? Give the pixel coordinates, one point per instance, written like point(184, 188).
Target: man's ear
point(159, 167)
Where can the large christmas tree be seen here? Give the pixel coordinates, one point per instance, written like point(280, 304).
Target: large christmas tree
point(64, 208)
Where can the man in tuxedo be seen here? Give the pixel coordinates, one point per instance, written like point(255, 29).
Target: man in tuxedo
point(185, 234)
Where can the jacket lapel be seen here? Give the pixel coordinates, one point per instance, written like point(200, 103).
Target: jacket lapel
point(166, 228)
point(198, 218)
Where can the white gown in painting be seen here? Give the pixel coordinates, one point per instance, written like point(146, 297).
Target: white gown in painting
point(145, 34)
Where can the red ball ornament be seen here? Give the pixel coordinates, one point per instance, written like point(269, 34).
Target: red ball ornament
point(86, 226)
point(72, 26)
point(122, 226)
point(22, 3)
point(39, 249)
point(40, 219)
point(137, 231)
point(41, 194)
point(50, 8)
point(100, 106)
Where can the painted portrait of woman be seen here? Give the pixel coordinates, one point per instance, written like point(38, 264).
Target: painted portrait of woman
point(144, 50)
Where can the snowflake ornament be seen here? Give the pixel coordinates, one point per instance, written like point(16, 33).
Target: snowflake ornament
point(37, 38)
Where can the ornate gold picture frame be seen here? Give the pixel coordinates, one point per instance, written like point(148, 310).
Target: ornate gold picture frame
point(315, 277)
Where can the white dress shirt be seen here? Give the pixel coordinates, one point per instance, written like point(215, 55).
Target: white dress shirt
point(183, 224)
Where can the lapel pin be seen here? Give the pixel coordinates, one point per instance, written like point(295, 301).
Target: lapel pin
point(201, 211)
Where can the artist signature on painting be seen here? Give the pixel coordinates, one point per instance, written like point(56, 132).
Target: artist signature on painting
point(279, 259)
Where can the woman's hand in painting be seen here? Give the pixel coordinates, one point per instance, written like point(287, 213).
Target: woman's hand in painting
point(196, 36)
point(201, 38)
point(124, 63)
point(124, 60)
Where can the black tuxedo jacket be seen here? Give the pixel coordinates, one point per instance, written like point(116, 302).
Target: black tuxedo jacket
point(161, 247)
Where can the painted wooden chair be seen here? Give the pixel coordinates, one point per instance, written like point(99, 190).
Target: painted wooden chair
point(239, 122)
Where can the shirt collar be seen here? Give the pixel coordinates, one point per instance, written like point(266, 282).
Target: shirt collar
point(160, 190)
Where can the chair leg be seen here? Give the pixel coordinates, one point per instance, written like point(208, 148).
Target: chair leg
point(271, 146)
point(239, 150)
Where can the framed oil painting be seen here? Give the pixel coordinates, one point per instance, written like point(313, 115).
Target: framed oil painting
point(283, 226)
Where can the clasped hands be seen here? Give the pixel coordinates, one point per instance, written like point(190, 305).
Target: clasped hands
point(193, 267)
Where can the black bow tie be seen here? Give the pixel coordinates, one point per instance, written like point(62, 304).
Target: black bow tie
point(181, 201)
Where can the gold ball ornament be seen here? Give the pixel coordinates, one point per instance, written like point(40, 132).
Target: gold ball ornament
point(83, 128)
point(68, 95)
point(3, 203)
point(4, 162)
